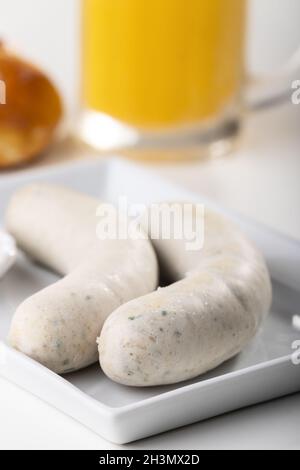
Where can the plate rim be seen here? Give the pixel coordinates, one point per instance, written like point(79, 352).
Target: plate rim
point(124, 409)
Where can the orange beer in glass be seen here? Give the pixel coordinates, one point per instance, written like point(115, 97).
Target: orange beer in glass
point(166, 72)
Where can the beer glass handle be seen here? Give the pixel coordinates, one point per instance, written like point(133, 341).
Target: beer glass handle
point(267, 91)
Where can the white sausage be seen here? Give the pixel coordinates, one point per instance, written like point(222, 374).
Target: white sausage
point(58, 326)
point(217, 305)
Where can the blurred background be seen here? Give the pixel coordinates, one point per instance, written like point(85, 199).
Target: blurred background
point(47, 32)
point(261, 178)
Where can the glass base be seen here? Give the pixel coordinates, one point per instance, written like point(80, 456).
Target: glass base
point(212, 139)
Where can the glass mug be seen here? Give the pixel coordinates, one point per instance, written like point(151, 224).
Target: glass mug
point(164, 75)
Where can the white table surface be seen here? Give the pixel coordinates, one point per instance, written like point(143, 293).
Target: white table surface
point(261, 180)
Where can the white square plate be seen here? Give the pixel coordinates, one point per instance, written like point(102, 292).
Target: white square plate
point(120, 414)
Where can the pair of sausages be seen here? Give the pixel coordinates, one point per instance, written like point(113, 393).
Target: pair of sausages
point(213, 308)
